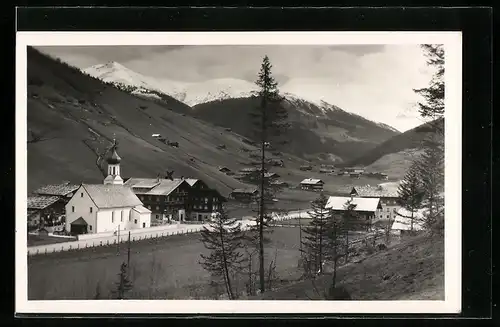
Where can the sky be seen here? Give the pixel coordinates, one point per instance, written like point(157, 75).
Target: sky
point(374, 81)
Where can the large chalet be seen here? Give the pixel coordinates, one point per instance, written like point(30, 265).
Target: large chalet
point(176, 199)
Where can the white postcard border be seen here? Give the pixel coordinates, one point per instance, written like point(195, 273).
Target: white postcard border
point(452, 42)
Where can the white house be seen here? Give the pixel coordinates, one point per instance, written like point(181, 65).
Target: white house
point(108, 207)
point(402, 222)
point(366, 209)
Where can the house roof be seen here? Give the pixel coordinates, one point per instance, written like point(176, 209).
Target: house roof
point(191, 181)
point(165, 187)
point(155, 187)
point(150, 183)
point(62, 189)
point(311, 181)
point(376, 192)
point(403, 220)
point(245, 190)
point(267, 175)
point(41, 201)
point(141, 209)
point(112, 196)
point(361, 204)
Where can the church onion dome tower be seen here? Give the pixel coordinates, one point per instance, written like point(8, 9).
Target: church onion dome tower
point(113, 161)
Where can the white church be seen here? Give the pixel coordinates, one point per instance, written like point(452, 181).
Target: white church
point(107, 207)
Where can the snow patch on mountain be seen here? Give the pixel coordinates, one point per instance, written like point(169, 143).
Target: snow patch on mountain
point(116, 73)
point(208, 91)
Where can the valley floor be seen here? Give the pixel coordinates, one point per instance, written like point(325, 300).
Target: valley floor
point(169, 268)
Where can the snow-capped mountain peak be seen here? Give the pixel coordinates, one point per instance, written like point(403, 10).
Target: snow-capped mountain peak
point(116, 73)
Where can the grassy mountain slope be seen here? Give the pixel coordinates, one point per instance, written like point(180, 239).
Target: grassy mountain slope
point(75, 114)
point(411, 270)
point(315, 132)
point(399, 144)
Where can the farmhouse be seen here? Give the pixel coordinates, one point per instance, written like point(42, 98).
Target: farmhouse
point(366, 209)
point(44, 210)
point(312, 184)
point(167, 199)
point(223, 169)
point(271, 175)
point(202, 200)
point(97, 208)
point(244, 195)
point(183, 199)
point(64, 191)
point(47, 204)
point(279, 183)
point(388, 198)
point(358, 170)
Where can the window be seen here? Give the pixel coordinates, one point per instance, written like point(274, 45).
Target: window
point(157, 199)
point(73, 209)
point(388, 209)
point(157, 207)
point(157, 216)
point(112, 216)
point(90, 209)
point(143, 225)
point(123, 214)
point(113, 170)
point(387, 216)
point(135, 221)
point(129, 218)
point(90, 227)
point(81, 195)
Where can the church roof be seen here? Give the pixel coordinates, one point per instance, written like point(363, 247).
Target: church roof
point(112, 196)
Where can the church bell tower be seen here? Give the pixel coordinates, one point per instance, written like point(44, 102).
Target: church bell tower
point(113, 161)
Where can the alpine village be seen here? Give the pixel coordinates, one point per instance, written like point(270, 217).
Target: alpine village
point(134, 194)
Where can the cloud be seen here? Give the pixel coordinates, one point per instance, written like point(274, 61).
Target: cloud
point(375, 81)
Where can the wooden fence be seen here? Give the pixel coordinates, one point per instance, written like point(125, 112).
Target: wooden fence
point(84, 244)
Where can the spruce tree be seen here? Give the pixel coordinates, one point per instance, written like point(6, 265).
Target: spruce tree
point(431, 162)
point(432, 105)
point(431, 174)
point(315, 242)
point(348, 223)
point(411, 193)
point(223, 238)
point(124, 284)
point(269, 118)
